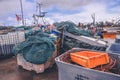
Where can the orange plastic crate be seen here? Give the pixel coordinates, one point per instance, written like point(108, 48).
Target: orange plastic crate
point(89, 59)
point(109, 35)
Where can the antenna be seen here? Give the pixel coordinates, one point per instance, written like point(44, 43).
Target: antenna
point(41, 14)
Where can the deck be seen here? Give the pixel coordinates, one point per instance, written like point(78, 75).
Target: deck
point(10, 71)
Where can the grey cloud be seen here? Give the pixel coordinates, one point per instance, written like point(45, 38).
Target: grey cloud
point(8, 6)
point(65, 4)
point(13, 6)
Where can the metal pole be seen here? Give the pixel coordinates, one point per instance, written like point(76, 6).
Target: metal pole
point(94, 19)
point(40, 9)
point(22, 12)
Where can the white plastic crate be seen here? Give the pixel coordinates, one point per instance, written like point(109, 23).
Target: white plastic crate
point(7, 41)
point(12, 38)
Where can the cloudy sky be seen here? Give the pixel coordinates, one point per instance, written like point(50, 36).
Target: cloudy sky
point(60, 10)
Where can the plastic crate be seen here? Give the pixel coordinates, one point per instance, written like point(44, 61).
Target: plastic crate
point(89, 59)
point(9, 40)
point(38, 68)
point(109, 35)
point(117, 40)
point(70, 71)
point(113, 48)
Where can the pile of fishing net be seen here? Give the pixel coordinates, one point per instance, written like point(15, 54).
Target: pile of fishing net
point(31, 33)
point(35, 32)
point(36, 49)
point(71, 28)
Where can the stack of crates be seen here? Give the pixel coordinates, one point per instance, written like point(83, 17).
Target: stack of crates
point(9, 40)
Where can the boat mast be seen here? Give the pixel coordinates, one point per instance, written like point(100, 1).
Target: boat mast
point(93, 17)
point(22, 11)
point(41, 14)
point(39, 6)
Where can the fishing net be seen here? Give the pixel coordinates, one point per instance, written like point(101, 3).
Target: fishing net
point(36, 49)
point(31, 33)
point(71, 28)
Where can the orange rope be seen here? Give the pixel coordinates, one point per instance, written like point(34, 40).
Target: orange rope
point(107, 67)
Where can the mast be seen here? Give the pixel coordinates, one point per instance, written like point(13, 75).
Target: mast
point(41, 14)
point(22, 11)
point(39, 5)
point(93, 17)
